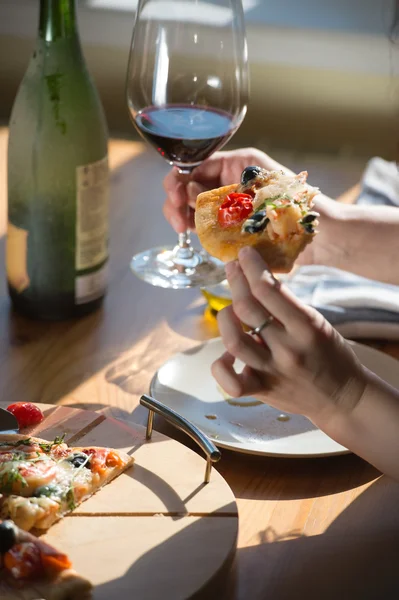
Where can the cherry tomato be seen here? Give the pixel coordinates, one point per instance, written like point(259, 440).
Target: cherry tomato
point(98, 459)
point(113, 460)
point(26, 413)
point(54, 562)
point(23, 561)
point(234, 209)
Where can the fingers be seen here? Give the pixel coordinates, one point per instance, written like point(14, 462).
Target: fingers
point(276, 299)
point(180, 202)
point(245, 306)
point(174, 216)
point(175, 189)
point(247, 383)
point(286, 355)
point(193, 190)
point(279, 353)
point(209, 172)
point(239, 344)
point(180, 219)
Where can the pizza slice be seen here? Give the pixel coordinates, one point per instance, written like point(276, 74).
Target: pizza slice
point(31, 569)
point(269, 210)
point(42, 481)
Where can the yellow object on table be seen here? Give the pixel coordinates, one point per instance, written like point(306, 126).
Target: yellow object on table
point(218, 296)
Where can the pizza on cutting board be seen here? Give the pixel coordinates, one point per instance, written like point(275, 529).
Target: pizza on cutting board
point(269, 210)
point(41, 481)
point(31, 569)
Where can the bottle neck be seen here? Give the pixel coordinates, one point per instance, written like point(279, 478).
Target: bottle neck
point(57, 20)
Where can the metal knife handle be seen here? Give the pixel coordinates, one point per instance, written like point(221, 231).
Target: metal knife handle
point(154, 406)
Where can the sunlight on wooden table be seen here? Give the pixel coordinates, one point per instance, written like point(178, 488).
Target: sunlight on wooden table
point(301, 520)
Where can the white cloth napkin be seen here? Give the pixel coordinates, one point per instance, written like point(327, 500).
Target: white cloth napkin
point(356, 306)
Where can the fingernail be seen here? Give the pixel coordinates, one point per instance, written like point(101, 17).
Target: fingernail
point(246, 251)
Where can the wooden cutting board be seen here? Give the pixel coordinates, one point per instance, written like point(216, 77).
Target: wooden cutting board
point(156, 531)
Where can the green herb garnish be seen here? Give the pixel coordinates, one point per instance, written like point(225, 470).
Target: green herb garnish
point(271, 201)
point(47, 446)
point(70, 498)
point(9, 478)
point(25, 442)
point(264, 204)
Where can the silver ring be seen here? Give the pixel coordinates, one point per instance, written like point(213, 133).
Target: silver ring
point(265, 324)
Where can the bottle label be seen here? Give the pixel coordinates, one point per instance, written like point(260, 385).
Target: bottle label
point(16, 257)
point(92, 186)
point(92, 286)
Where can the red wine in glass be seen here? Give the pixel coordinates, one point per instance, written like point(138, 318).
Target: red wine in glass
point(185, 135)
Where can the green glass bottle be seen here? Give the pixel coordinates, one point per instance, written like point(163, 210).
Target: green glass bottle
point(58, 178)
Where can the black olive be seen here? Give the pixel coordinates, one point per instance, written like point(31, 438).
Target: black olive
point(258, 216)
point(256, 223)
point(8, 536)
point(249, 174)
point(47, 491)
point(79, 459)
point(308, 227)
point(310, 217)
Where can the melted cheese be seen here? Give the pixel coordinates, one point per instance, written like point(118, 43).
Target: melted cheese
point(27, 469)
point(25, 476)
point(285, 187)
point(284, 221)
point(289, 196)
point(29, 512)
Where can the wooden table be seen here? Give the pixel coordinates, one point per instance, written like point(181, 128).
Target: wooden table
point(314, 528)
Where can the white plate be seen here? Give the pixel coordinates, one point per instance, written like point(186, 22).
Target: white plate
point(185, 384)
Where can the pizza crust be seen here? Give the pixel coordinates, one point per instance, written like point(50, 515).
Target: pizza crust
point(30, 513)
point(68, 585)
point(65, 585)
point(14, 437)
point(225, 243)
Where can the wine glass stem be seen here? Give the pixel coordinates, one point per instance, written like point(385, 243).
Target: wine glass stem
point(184, 239)
point(184, 253)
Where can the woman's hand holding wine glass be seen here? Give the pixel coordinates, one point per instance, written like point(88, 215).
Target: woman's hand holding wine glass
point(187, 91)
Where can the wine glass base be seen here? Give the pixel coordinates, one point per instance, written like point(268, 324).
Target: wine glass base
point(158, 267)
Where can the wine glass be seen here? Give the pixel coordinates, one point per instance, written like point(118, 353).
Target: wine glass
point(187, 91)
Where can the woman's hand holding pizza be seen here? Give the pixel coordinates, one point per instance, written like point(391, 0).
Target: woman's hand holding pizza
point(298, 362)
point(223, 168)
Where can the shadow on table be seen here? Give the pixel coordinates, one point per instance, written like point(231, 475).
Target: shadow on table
point(275, 478)
point(356, 558)
point(290, 479)
point(197, 322)
point(195, 562)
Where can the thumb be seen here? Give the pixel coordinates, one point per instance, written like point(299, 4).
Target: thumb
point(193, 189)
